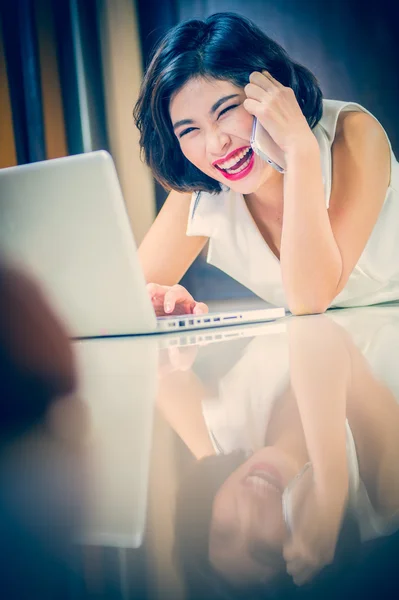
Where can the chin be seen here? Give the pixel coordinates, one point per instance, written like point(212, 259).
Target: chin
point(250, 186)
point(251, 183)
point(247, 185)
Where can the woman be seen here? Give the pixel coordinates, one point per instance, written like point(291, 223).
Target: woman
point(327, 441)
point(322, 234)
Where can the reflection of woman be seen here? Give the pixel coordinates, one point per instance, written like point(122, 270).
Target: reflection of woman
point(313, 237)
point(341, 402)
point(333, 415)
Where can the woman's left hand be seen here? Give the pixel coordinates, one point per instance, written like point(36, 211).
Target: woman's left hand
point(277, 110)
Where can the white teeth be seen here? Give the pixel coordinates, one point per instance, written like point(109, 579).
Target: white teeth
point(259, 484)
point(243, 166)
point(233, 161)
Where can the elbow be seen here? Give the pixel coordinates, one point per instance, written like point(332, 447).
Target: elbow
point(313, 306)
point(299, 311)
point(308, 299)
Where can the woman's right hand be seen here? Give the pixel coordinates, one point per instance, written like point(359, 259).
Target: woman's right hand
point(314, 516)
point(174, 300)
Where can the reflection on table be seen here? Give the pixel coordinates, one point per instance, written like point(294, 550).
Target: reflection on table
point(242, 462)
point(294, 450)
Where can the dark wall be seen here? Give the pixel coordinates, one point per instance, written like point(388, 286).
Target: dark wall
point(351, 46)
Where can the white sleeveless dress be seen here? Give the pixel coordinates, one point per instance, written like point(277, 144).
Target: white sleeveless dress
point(237, 247)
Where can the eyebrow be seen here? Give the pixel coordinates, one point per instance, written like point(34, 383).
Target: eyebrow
point(214, 108)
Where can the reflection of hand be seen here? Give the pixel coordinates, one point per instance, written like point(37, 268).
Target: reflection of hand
point(173, 300)
point(176, 359)
point(314, 520)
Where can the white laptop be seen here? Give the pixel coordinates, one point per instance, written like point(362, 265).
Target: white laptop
point(64, 221)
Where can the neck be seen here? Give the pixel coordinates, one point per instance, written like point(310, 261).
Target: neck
point(270, 193)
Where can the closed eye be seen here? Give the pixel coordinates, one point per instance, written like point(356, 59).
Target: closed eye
point(186, 131)
point(226, 109)
point(189, 129)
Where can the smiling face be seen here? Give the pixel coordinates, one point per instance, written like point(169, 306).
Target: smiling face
point(247, 528)
point(214, 129)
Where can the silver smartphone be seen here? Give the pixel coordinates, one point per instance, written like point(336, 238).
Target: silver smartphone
point(265, 147)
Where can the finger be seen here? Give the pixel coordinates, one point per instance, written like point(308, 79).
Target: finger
point(272, 80)
point(294, 568)
point(200, 308)
point(289, 553)
point(254, 107)
point(255, 92)
point(304, 576)
point(294, 550)
point(164, 366)
point(154, 289)
point(302, 566)
point(182, 359)
point(265, 80)
point(174, 357)
point(175, 294)
point(262, 81)
point(300, 571)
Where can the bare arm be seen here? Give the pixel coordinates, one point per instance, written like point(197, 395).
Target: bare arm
point(320, 378)
point(320, 248)
point(166, 251)
point(180, 401)
point(332, 381)
point(180, 396)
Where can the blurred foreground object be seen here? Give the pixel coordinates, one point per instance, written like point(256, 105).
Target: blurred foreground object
point(41, 492)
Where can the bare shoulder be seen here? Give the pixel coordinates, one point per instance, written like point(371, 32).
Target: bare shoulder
point(361, 144)
point(353, 118)
point(359, 127)
point(361, 164)
point(177, 200)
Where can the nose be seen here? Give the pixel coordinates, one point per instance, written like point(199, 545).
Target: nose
point(217, 142)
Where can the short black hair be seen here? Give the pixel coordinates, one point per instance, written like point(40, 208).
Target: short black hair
point(225, 46)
